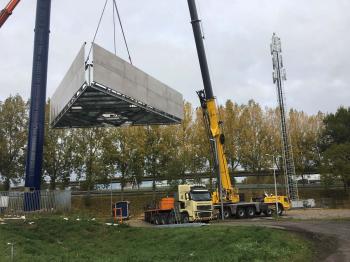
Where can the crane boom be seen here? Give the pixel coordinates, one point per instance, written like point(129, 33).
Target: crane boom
point(226, 197)
point(7, 11)
point(211, 116)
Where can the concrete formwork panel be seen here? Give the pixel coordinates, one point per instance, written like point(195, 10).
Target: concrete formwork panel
point(114, 94)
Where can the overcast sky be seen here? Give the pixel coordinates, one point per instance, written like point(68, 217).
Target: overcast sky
point(314, 34)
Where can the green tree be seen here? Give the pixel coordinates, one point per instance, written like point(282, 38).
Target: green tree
point(182, 161)
point(127, 154)
point(137, 155)
point(336, 161)
point(305, 134)
point(87, 156)
point(232, 130)
point(13, 137)
point(174, 168)
point(334, 145)
point(255, 138)
point(336, 128)
point(58, 151)
point(154, 155)
point(201, 152)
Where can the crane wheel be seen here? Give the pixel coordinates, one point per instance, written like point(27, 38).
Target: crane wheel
point(268, 212)
point(227, 213)
point(241, 213)
point(250, 212)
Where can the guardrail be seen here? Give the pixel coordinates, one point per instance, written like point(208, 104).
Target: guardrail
point(19, 203)
point(167, 189)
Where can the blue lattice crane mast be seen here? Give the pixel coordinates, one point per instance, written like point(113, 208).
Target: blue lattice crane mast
point(279, 75)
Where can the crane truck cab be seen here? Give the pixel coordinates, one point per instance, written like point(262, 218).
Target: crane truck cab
point(283, 203)
point(195, 203)
point(189, 204)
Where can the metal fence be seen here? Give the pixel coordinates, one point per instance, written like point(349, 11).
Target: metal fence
point(19, 203)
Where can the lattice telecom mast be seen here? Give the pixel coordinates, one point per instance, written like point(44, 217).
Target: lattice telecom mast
point(279, 75)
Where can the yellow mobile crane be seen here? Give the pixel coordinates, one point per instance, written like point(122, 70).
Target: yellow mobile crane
point(226, 198)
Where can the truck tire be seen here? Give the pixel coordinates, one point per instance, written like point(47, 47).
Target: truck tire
point(171, 219)
point(280, 210)
point(156, 220)
point(227, 213)
point(250, 211)
point(240, 212)
point(185, 218)
point(268, 212)
point(163, 220)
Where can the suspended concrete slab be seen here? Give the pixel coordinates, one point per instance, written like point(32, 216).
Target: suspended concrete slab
point(111, 92)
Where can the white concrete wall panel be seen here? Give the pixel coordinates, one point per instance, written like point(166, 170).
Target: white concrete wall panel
point(71, 83)
point(117, 74)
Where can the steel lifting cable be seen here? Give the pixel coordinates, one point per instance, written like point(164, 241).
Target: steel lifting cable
point(122, 29)
point(114, 41)
point(114, 35)
point(98, 26)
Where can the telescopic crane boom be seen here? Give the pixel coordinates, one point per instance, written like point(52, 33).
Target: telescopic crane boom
point(7, 11)
point(225, 198)
point(210, 113)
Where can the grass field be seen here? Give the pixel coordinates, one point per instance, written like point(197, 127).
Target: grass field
point(55, 239)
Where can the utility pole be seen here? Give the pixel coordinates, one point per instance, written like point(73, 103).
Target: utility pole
point(279, 75)
point(274, 167)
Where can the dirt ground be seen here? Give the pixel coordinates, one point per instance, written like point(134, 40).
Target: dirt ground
point(318, 213)
point(296, 214)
